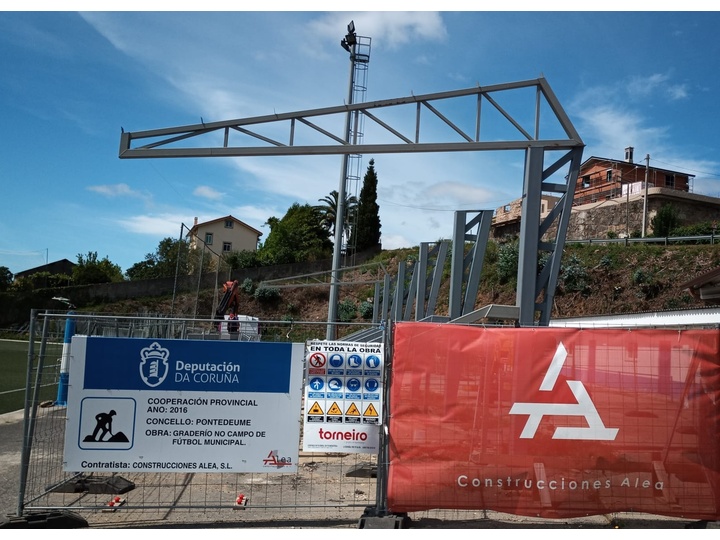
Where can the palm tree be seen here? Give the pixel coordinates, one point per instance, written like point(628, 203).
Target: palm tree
point(329, 211)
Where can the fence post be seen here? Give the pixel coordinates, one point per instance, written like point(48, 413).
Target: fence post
point(61, 400)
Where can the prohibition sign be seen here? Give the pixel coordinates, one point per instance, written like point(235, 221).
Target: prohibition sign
point(317, 360)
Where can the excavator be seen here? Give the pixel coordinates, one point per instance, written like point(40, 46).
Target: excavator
point(230, 301)
point(231, 325)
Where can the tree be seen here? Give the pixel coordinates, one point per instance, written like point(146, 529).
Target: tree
point(164, 262)
point(297, 237)
point(6, 278)
point(366, 233)
point(42, 280)
point(328, 211)
point(90, 270)
point(241, 259)
point(664, 221)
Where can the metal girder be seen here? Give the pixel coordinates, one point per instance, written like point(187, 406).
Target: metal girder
point(428, 284)
point(168, 142)
point(535, 290)
point(465, 269)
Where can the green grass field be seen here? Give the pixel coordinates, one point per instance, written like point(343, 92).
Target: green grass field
point(13, 363)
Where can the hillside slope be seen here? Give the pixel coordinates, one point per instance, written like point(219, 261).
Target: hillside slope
point(594, 280)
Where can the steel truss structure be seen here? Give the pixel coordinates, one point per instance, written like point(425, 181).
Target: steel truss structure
point(542, 235)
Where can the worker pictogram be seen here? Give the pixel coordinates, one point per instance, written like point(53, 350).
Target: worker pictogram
point(352, 410)
point(334, 410)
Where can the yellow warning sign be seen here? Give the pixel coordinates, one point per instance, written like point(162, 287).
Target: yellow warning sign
point(334, 409)
point(352, 410)
point(315, 409)
point(370, 411)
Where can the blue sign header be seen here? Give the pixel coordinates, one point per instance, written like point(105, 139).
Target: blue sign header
point(179, 365)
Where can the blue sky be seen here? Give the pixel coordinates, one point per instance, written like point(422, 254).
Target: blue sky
point(72, 80)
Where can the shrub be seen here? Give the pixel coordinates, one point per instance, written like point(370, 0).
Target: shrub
point(606, 262)
point(247, 285)
point(266, 294)
point(575, 276)
point(366, 310)
point(347, 310)
point(664, 221)
point(641, 276)
point(507, 262)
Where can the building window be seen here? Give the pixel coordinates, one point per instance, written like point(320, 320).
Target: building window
point(229, 223)
point(608, 175)
point(506, 208)
point(670, 181)
point(208, 238)
point(227, 246)
point(586, 181)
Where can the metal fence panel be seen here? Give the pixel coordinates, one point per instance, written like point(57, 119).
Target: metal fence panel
point(326, 486)
point(336, 490)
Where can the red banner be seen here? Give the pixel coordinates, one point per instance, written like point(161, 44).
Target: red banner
point(555, 422)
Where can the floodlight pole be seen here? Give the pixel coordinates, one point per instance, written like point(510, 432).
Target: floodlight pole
point(349, 44)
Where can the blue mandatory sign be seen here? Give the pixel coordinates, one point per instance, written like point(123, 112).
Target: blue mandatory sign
point(336, 360)
point(371, 385)
point(354, 361)
point(353, 385)
point(334, 384)
point(372, 361)
point(316, 383)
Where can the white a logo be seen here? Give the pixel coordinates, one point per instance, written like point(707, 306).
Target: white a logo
point(595, 431)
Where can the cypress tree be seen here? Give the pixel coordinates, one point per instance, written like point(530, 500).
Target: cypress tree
point(366, 233)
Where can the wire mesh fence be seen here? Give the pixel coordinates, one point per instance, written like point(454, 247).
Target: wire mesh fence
point(326, 489)
point(334, 486)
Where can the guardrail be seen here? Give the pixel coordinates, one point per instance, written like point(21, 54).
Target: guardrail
point(665, 240)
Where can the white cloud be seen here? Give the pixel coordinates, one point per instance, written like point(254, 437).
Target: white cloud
point(456, 195)
point(164, 225)
point(390, 29)
point(395, 242)
point(642, 86)
point(206, 192)
point(117, 190)
point(678, 91)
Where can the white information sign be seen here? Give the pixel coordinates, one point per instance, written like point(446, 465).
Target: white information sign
point(343, 396)
point(196, 406)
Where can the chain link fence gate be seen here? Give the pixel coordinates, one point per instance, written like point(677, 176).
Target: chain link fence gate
point(327, 489)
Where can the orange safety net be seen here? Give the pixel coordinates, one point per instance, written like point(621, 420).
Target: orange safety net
point(554, 422)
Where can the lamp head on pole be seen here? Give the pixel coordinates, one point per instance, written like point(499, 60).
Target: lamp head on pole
point(350, 39)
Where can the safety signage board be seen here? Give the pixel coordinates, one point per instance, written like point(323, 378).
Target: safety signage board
point(343, 396)
point(163, 405)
